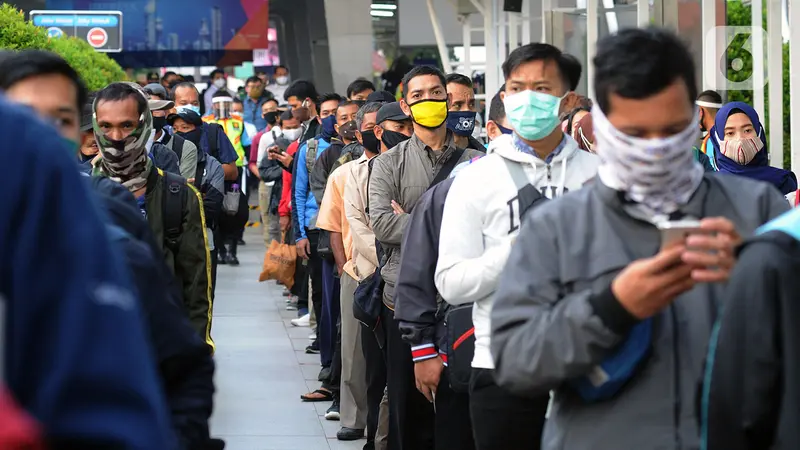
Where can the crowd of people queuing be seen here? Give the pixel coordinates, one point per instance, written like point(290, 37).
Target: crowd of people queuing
point(596, 276)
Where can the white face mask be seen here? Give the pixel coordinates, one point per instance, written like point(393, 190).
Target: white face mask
point(282, 80)
point(293, 134)
point(219, 83)
point(661, 173)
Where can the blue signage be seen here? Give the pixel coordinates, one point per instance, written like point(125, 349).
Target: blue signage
point(76, 21)
point(101, 29)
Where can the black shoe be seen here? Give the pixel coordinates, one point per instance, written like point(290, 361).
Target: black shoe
point(350, 434)
point(313, 349)
point(240, 241)
point(370, 445)
point(232, 260)
point(333, 412)
point(325, 373)
point(222, 255)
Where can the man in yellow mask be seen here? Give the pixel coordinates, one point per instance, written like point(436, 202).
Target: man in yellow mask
point(399, 177)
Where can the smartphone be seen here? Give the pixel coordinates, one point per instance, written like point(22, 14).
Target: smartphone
point(679, 230)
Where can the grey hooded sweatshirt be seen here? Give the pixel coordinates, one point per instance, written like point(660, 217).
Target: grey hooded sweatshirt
point(555, 316)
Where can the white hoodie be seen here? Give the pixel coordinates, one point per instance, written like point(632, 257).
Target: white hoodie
point(481, 220)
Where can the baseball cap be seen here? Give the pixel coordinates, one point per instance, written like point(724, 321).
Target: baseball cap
point(154, 105)
point(390, 111)
point(187, 115)
point(87, 113)
point(381, 96)
point(156, 89)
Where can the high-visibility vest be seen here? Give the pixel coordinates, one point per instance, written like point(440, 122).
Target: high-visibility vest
point(234, 128)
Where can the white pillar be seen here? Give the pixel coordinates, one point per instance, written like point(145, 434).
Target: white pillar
point(490, 43)
point(350, 40)
point(547, 6)
point(708, 22)
point(757, 16)
point(775, 74)
point(643, 13)
point(526, 22)
point(591, 43)
point(440, 43)
point(794, 83)
point(467, 43)
point(513, 31)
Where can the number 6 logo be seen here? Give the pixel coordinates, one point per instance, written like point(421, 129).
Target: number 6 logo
point(728, 58)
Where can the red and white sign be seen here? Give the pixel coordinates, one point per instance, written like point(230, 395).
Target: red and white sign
point(97, 37)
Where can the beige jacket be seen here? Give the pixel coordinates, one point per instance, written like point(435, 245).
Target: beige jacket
point(365, 258)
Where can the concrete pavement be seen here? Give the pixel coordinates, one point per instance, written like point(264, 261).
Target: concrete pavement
point(261, 366)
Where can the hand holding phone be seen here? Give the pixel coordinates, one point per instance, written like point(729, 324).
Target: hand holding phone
point(675, 232)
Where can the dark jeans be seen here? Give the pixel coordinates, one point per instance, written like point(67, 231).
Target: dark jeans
point(376, 378)
point(313, 270)
point(411, 416)
point(334, 381)
point(330, 312)
point(501, 420)
point(453, 429)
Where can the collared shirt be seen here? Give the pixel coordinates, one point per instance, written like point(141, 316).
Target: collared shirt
point(522, 146)
point(364, 256)
point(331, 216)
point(434, 156)
point(252, 112)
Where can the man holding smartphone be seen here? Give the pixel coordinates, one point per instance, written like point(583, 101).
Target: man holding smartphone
point(569, 310)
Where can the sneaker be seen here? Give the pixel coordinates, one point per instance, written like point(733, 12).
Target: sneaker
point(312, 336)
point(333, 412)
point(291, 307)
point(303, 321)
point(313, 349)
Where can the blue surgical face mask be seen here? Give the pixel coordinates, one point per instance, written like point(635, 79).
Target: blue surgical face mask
point(533, 115)
point(461, 123)
point(190, 108)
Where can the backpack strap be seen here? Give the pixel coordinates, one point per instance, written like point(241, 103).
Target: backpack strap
point(174, 198)
point(311, 154)
point(448, 167)
point(173, 145)
point(213, 139)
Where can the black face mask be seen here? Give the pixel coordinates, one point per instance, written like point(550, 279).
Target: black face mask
point(392, 138)
point(370, 142)
point(159, 123)
point(192, 136)
point(271, 117)
point(360, 103)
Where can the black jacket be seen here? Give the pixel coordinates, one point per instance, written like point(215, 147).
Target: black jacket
point(269, 171)
point(476, 145)
point(751, 398)
point(419, 310)
point(183, 359)
point(318, 178)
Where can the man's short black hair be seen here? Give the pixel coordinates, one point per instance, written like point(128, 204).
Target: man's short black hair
point(221, 93)
point(421, 71)
point(281, 66)
point(302, 89)
point(183, 84)
point(710, 96)
point(544, 52)
point(237, 100)
point(168, 74)
point(497, 110)
point(359, 86)
point(117, 92)
point(273, 100)
point(286, 115)
point(253, 79)
point(330, 96)
point(17, 66)
point(457, 78)
point(216, 72)
point(637, 63)
point(346, 102)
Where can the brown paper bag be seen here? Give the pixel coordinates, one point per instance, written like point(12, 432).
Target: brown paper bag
point(279, 262)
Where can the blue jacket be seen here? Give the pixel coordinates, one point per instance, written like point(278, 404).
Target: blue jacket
point(225, 153)
point(76, 355)
point(304, 203)
point(252, 112)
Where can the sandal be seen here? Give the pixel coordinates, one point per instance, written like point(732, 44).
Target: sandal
point(320, 395)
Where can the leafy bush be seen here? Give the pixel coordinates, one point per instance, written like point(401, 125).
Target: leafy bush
point(96, 68)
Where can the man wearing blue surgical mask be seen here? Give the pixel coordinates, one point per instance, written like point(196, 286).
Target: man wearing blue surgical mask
point(609, 295)
point(461, 112)
point(482, 216)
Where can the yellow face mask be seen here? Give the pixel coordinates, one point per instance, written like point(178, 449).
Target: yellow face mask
point(429, 113)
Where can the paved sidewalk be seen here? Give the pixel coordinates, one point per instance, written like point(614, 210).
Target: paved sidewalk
point(261, 366)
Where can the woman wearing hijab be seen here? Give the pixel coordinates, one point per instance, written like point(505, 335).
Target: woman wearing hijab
point(740, 147)
point(578, 124)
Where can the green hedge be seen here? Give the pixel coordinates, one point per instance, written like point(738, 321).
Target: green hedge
point(96, 68)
